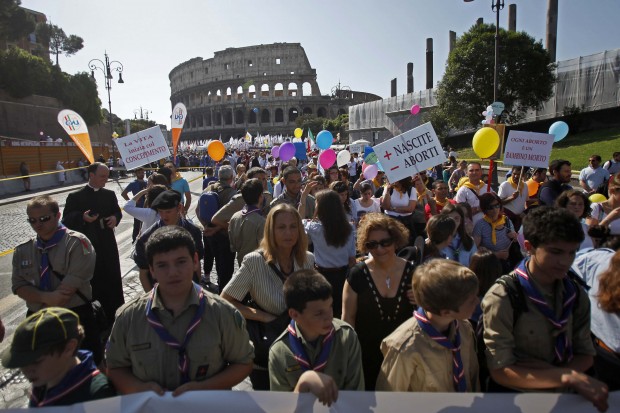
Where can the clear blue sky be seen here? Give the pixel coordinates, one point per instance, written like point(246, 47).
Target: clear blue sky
point(363, 44)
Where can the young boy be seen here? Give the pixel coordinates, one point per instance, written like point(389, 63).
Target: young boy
point(317, 354)
point(45, 348)
point(434, 351)
point(548, 347)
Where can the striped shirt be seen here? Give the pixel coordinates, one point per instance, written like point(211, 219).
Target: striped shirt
point(265, 287)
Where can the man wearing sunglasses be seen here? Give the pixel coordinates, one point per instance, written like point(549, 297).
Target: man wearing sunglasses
point(51, 268)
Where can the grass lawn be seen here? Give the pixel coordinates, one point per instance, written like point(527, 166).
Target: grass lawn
point(577, 148)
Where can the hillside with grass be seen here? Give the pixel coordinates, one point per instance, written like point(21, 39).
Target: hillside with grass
point(577, 147)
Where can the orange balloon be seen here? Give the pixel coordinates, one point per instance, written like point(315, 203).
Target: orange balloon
point(216, 150)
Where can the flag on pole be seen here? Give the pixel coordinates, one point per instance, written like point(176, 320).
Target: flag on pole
point(248, 137)
point(179, 114)
point(75, 126)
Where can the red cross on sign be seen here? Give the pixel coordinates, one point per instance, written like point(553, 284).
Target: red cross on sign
point(387, 155)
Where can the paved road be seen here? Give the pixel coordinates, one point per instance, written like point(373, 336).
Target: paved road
point(14, 230)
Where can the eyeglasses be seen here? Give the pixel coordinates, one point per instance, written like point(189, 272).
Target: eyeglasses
point(44, 218)
point(494, 206)
point(371, 245)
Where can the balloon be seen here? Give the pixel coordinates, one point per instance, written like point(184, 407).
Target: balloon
point(255, 110)
point(324, 139)
point(371, 171)
point(287, 151)
point(216, 150)
point(364, 166)
point(343, 158)
point(559, 130)
point(298, 132)
point(275, 151)
point(415, 109)
point(275, 180)
point(485, 142)
point(597, 198)
point(327, 158)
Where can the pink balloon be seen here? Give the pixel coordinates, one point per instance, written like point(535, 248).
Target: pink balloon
point(327, 158)
point(364, 166)
point(275, 151)
point(415, 109)
point(287, 151)
point(371, 172)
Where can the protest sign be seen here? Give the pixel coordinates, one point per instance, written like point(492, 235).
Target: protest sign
point(411, 152)
point(528, 149)
point(142, 147)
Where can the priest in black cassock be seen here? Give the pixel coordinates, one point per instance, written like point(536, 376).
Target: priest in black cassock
point(94, 211)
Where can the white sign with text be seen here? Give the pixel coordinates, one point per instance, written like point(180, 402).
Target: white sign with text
point(528, 149)
point(410, 152)
point(142, 147)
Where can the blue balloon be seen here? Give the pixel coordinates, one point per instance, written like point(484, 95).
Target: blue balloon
point(255, 110)
point(324, 139)
point(559, 130)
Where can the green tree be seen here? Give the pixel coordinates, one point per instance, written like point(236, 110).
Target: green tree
point(59, 42)
point(22, 74)
point(82, 96)
point(15, 22)
point(340, 125)
point(140, 124)
point(312, 122)
point(525, 76)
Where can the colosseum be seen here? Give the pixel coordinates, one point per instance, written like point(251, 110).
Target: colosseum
point(261, 89)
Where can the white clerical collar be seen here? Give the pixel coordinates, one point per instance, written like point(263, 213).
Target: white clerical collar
point(91, 187)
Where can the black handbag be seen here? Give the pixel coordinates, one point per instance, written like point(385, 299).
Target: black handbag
point(262, 334)
point(99, 315)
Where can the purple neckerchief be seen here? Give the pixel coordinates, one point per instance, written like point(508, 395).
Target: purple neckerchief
point(563, 348)
point(458, 372)
point(45, 278)
point(300, 353)
point(248, 209)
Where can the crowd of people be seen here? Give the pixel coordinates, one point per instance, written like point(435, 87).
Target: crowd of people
point(433, 283)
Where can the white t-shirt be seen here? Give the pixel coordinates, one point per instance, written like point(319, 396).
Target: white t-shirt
point(518, 204)
point(399, 200)
point(362, 210)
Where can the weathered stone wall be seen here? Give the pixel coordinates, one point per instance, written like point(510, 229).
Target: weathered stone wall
point(261, 89)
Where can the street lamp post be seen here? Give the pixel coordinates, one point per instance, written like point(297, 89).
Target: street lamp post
point(144, 113)
point(107, 67)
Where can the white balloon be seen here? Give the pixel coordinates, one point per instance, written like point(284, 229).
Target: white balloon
point(343, 158)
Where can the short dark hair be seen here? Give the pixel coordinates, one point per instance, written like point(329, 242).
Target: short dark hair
point(255, 171)
point(290, 170)
point(486, 200)
point(251, 190)
point(557, 164)
point(167, 172)
point(544, 225)
point(562, 201)
point(42, 201)
point(209, 171)
point(303, 286)
point(169, 238)
point(92, 168)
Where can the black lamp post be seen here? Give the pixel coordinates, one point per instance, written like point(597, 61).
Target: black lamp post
point(144, 113)
point(107, 67)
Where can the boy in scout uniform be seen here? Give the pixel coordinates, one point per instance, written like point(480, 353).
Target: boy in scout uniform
point(548, 347)
point(317, 353)
point(177, 337)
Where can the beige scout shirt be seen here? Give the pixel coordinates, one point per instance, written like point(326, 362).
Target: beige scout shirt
point(245, 233)
point(532, 337)
point(284, 198)
point(236, 203)
point(344, 363)
point(220, 339)
point(73, 257)
point(412, 361)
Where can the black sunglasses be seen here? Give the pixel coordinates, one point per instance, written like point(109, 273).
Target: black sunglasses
point(44, 218)
point(371, 245)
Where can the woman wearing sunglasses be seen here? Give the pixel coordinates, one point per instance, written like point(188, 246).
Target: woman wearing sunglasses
point(495, 232)
point(377, 295)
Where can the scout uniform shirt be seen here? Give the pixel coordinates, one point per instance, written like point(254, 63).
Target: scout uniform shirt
point(344, 363)
point(219, 340)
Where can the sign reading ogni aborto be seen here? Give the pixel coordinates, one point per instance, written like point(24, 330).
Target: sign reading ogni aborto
point(410, 152)
point(142, 147)
point(528, 149)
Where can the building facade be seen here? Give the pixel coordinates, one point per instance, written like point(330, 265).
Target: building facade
point(261, 89)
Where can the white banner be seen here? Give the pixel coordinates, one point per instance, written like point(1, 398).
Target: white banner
point(411, 152)
point(348, 401)
point(528, 149)
point(142, 147)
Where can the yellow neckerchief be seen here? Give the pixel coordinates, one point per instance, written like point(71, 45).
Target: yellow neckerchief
point(514, 185)
point(441, 204)
point(469, 185)
point(494, 224)
point(176, 177)
point(376, 183)
point(426, 180)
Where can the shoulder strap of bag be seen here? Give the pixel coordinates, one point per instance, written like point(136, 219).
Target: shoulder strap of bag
point(77, 291)
point(275, 269)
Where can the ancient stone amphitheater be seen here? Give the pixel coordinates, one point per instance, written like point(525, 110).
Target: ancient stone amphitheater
point(260, 89)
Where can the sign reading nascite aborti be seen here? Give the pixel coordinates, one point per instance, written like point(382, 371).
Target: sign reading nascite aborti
point(410, 152)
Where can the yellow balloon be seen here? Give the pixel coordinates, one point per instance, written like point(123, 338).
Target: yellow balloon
point(597, 198)
point(485, 142)
point(298, 132)
point(216, 150)
point(275, 180)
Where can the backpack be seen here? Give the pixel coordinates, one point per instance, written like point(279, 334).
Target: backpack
point(209, 203)
point(518, 302)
